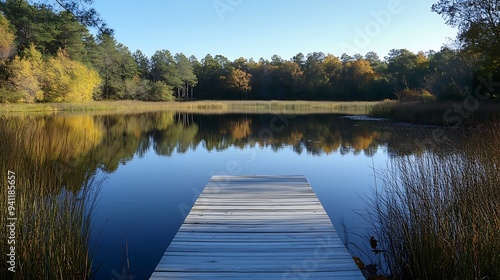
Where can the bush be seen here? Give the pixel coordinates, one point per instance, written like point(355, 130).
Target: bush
point(415, 95)
point(159, 91)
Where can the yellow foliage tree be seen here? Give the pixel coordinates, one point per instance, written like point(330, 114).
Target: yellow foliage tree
point(239, 80)
point(56, 79)
point(6, 40)
point(68, 81)
point(26, 75)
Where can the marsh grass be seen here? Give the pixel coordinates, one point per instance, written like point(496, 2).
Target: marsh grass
point(202, 107)
point(436, 113)
point(54, 202)
point(437, 214)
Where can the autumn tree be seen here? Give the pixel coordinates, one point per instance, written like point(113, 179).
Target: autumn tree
point(6, 50)
point(66, 80)
point(357, 78)
point(407, 69)
point(6, 40)
point(288, 80)
point(26, 76)
point(239, 80)
point(333, 70)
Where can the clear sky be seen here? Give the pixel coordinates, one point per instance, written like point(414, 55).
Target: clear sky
point(262, 28)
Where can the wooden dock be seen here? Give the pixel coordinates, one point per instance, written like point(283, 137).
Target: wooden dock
point(257, 227)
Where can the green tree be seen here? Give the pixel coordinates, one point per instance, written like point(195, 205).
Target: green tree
point(478, 24)
point(164, 68)
point(159, 91)
point(375, 62)
point(300, 59)
point(288, 80)
point(316, 78)
point(48, 29)
point(81, 10)
point(406, 69)
point(241, 63)
point(143, 65)
point(70, 37)
point(186, 75)
point(115, 65)
point(34, 24)
point(209, 82)
point(451, 74)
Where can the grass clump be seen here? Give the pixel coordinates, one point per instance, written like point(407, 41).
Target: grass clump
point(53, 203)
point(437, 215)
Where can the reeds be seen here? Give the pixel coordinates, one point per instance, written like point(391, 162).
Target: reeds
point(54, 202)
point(203, 107)
point(438, 113)
point(437, 214)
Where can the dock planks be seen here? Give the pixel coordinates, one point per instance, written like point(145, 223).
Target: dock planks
point(257, 227)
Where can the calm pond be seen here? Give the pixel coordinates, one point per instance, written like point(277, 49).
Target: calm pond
point(157, 163)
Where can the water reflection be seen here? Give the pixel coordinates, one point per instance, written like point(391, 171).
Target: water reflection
point(118, 138)
point(156, 159)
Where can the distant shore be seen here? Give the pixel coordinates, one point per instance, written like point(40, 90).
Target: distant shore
point(432, 113)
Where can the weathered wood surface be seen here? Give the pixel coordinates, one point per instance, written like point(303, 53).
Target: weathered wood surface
point(257, 227)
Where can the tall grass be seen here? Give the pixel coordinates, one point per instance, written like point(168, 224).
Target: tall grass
point(437, 214)
point(54, 201)
point(203, 107)
point(437, 113)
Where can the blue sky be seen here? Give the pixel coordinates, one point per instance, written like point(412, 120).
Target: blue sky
point(262, 28)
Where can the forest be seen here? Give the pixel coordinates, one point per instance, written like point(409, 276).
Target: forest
point(48, 53)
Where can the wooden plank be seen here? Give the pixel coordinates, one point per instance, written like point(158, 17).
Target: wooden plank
point(257, 227)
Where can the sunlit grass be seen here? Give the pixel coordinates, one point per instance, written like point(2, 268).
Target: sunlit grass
point(437, 214)
point(208, 107)
point(54, 202)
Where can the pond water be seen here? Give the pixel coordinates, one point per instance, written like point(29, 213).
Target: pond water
point(157, 163)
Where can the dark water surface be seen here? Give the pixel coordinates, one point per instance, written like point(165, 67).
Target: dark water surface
point(156, 165)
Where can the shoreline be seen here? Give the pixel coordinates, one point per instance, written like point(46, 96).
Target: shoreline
point(434, 113)
point(202, 107)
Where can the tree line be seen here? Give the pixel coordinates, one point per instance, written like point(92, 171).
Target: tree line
point(47, 54)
